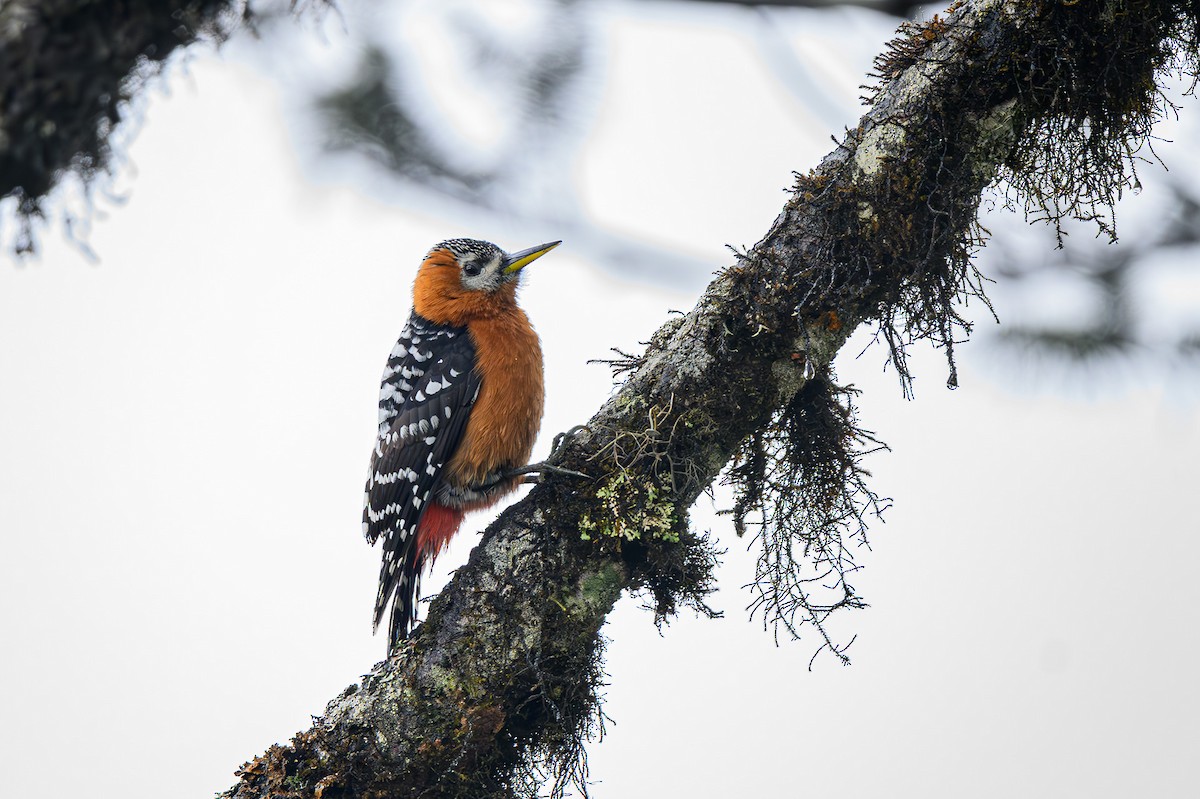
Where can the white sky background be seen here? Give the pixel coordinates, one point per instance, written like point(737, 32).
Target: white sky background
point(185, 425)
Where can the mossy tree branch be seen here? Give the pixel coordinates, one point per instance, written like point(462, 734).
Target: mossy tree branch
point(68, 69)
point(497, 689)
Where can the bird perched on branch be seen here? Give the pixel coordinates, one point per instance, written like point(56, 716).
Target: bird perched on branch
point(459, 408)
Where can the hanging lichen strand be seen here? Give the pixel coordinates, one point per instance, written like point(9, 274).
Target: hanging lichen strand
point(884, 230)
point(803, 492)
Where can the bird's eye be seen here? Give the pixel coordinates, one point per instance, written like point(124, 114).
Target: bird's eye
point(472, 269)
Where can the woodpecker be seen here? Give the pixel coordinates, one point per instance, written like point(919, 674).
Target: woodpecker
point(459, 408)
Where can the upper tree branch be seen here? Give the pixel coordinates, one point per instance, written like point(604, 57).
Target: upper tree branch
point(504, 672)
point(67, 71)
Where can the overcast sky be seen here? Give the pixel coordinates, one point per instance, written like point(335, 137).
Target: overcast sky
point(185, 425)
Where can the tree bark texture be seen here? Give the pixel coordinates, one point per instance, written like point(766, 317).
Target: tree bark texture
point(496, 690)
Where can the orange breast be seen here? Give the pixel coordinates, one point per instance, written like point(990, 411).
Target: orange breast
point(505, 419)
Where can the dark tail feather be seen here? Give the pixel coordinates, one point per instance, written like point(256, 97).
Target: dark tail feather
point(436, 527)
point(404, 606)
point(400, 588)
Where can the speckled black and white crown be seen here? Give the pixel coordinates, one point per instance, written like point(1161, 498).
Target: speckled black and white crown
point(484, 250)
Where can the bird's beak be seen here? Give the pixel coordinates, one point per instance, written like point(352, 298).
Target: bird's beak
point(519, 260)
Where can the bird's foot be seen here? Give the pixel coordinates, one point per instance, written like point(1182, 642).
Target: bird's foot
point(536, 472)
point(560, 441)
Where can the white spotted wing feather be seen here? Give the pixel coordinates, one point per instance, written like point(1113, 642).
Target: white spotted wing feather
point(425, 398)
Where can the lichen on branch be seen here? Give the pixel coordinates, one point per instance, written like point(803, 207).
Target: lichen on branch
point(802, 489)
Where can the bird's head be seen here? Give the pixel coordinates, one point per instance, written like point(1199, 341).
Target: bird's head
point(464, 279)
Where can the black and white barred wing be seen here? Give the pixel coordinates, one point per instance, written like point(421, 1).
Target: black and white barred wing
point(420, 345)
point(427, 391)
